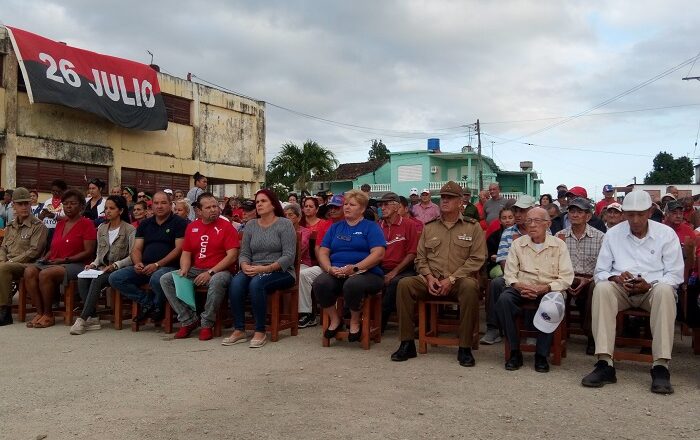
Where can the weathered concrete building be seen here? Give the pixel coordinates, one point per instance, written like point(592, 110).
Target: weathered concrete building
point(219, 134)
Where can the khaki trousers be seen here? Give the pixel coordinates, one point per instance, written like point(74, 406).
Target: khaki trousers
point(8, 273)
point(610, 298)
point(465, 291)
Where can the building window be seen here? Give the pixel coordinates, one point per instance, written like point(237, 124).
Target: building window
point(21, 87)
point(153, 181)
point(39, 173)
point(178, 109)
point(410, 173)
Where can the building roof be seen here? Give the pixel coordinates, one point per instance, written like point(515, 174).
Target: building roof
point(351, 171)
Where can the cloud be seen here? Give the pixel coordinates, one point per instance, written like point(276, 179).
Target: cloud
point(416, 66)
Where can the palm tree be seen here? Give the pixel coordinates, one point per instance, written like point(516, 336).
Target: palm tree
point(295, 167)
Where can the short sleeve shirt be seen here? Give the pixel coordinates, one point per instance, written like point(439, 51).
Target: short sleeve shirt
point(159, 240)
point(209, 243)
point(351, 244)
point(73, 242)
point(401, 239)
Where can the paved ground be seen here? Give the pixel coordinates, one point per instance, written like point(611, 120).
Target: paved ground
point(121, 385)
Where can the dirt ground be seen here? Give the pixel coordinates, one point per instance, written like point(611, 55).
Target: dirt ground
point(112, 384)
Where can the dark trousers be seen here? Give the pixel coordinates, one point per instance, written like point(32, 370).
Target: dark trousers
point(497, 287)
point(354, 289)
point(389, 298)
point(508, 307)
point(89, 289)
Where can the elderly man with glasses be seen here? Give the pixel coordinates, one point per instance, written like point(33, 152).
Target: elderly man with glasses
point(401, 237)
point(537, 264)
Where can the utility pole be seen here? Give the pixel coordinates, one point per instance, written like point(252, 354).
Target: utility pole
point(481, 162)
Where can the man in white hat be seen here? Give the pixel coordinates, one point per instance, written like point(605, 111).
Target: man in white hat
point(640, 265)
point(537, 264)
point(426, 211)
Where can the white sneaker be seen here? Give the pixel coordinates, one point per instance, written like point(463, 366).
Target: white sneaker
point(93, 323)
point(79, 327)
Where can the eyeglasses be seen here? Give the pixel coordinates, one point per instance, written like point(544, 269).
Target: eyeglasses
point(537, 221)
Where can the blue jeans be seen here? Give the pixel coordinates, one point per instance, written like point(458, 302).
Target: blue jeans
point(258, 286)
point(129, 283)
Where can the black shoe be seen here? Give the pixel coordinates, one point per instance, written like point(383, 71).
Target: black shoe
point(5, 315)
point(541, 364)
point(465, 357)
point(157, 314)
point(143, 314)
point(406, 351)
point(355, 337)
point(515, 361)
point(330, 334)
point(602, 374)
point(307, 320)
point(590, 346)
point(661, 380)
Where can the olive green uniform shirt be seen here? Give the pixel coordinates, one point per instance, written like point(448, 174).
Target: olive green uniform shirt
point(458, 251)
point(24, 242)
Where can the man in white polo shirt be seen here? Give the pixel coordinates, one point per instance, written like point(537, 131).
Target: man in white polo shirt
point(640, 265)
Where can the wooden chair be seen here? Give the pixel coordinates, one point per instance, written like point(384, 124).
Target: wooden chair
point(66, 311)
point(200, 297)
point(21, 308)
point(640, 342)
point(371, 322)
point(428, 316)
point(283, 305)
point(558, 348)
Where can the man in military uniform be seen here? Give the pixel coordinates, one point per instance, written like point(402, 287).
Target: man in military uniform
point(451, 251)
point(24, 242)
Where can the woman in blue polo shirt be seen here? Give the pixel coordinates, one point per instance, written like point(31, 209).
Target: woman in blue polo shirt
point(350, 254)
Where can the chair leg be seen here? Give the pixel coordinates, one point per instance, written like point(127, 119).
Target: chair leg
point(294, 306)
point(365, 323)
point(325, 322)
point(168, 319)
point(696, 340)
point(134, 314)
point(422, 345)
point(377, 302)
point(68, 302)
point(117, 309)
point(556, 343)
point(275, 298)
point(21, 302)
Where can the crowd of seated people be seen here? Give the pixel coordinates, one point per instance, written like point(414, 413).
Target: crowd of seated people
point(147, 245)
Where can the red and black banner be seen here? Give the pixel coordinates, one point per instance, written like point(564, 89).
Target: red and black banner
point(125, 92)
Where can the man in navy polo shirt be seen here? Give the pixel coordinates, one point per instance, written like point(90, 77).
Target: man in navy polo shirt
point(156, 252)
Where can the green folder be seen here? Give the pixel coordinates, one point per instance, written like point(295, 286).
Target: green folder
point(184, 289)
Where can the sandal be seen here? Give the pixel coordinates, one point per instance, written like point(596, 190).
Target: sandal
point(34, 321)
point(232, 340)
point(45, 321)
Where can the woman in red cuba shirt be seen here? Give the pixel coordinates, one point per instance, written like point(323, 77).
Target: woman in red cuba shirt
point(72, 247)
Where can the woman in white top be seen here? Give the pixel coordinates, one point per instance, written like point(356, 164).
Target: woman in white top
point(200, 186)
point(94, 202)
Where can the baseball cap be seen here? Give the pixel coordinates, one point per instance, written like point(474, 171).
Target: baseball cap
point(608, 188)
point(636, 201)
point(525, 201)
point(337, 200)
point(580, 203)
point(390, 197)
point(248, 205)
point(550, 312)
point(669, 195)
point(414, 191)
point(21, 194)
point(673, 205)
point(451, 189)
point(616, 206)
point(425, 190)
point(561, 186)
point(577, 191)
point(168, 191)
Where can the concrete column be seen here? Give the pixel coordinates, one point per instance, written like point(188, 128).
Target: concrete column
point(9, 160)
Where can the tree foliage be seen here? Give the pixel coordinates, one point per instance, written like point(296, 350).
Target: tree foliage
point(295, 166)
point(379, 151)
point(669, 171)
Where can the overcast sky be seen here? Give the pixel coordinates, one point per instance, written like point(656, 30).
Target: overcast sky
point(403, 71)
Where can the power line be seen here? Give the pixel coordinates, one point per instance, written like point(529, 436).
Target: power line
point(609, 100)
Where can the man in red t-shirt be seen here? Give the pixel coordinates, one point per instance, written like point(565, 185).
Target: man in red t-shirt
point(674, 219)
point(401, 241)
point(209, 250)
point(608, 192)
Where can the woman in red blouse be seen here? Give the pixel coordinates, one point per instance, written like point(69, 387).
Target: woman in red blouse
point(72, 247)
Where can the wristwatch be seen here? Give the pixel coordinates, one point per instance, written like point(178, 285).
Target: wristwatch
point(452, 279)
point(157, 265)
point(355, 269)
point(211, 273)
